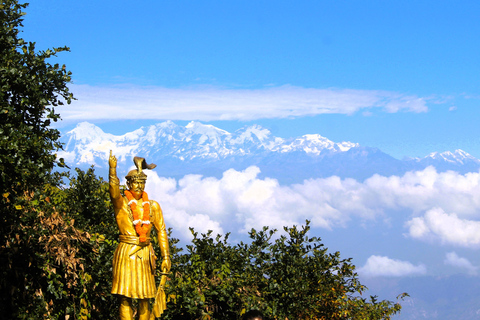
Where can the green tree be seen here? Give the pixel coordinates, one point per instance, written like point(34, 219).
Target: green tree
point(77, 237)
point(31, 88)
point(291, 277)
point(87, 200)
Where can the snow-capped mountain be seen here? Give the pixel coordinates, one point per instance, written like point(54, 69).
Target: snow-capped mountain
point(88, 144)
point(458, 157)
point(458, 160)
point(205, 149)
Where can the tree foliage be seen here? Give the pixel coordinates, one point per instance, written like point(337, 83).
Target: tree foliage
point(291, 277)
point(30, 89)
point(86, 202)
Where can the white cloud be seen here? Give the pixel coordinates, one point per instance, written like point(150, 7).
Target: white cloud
point(210, 103)
point(161, 189)
point(240, 201)
point(448, 228)
point(237, 201)
point(380, 266)
point(454, 260)
point(420, 191)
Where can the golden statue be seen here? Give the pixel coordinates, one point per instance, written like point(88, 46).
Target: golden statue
point(134, 259)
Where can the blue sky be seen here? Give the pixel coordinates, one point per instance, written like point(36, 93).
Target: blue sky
point(401, 76)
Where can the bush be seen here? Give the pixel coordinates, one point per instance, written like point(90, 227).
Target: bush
point(292, 277)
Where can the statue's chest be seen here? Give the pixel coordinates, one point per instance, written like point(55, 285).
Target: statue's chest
point(138, 212)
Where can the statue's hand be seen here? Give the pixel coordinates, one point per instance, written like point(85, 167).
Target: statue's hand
point(166, 264)
point(112, 161)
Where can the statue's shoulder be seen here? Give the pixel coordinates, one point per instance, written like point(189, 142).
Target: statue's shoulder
point(154, 204)
point(155, 211)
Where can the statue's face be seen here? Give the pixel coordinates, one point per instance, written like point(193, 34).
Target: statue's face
point(136, 187)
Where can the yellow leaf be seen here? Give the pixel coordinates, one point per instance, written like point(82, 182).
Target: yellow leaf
point(18, 207)
point(6, 194)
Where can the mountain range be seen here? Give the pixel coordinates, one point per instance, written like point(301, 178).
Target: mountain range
point(205, 149)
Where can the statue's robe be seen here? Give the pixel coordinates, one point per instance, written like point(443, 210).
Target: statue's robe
point(134, 262)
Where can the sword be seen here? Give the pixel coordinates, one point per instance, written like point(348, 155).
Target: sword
point(160, 303)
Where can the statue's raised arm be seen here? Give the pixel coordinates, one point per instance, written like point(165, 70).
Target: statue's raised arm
point(114, 182)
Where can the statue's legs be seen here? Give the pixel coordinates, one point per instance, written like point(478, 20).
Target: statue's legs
point(143, 309)
point(126, 310)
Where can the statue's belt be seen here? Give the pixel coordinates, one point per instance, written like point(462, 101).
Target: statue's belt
point(133, 240)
